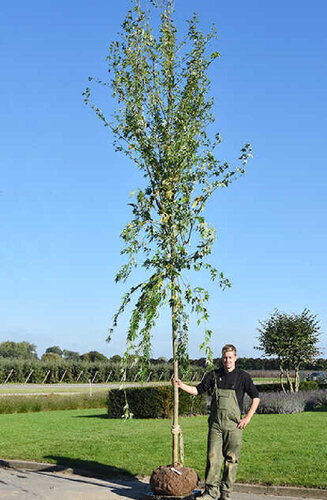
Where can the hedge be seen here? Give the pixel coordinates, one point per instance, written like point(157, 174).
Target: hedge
point(289, 402)
point(154, 402)
point(274, 387)
point(309, 385)
point(101, 372)
point(80, 371)
point(157, 402)
point(71, 370)
point(305, 385)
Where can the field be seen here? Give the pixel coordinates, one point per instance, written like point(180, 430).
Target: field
point(277, 449)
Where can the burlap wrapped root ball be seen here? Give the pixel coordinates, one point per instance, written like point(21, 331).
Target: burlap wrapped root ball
point(166, 481)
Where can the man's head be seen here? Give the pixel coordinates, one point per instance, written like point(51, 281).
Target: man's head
point(229, 357)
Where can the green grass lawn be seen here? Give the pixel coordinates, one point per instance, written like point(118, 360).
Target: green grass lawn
point(277, 449)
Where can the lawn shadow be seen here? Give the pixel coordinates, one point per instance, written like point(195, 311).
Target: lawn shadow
point(122, 482)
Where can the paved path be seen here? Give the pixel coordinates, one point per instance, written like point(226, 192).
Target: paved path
point(34, 485)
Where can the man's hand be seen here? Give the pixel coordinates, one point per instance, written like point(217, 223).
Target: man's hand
point(190, 389)
point(243, 422)
point(176, 381)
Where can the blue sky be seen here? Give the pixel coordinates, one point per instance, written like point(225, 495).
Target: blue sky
point(64, 191)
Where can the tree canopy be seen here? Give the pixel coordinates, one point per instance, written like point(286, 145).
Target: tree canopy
point(54, 349)
point(70, 355)
point(22, 350)
point(161, 120)
point(93, 356)
point(292, 338)
point(51, 356)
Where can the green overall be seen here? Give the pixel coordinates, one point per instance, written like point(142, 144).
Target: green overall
point(224, 442)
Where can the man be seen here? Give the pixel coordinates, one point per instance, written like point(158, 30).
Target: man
point(227, 386)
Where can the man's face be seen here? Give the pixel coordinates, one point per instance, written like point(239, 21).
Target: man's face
point(229, 360)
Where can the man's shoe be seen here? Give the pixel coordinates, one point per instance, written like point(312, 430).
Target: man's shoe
point(224, 495)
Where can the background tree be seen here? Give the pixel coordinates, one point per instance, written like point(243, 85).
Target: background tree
point(51, 356)
point(293, 339)
point(22, 350)
point(93, 356)
point(158, 361)
point(161, 87)
point(71, 355)
point(115, 358)
point(54, 349)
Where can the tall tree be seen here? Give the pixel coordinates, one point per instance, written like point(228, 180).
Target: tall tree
point(54, 349)
point(93, 356)
point(293, 339)
point(51, 356)
point(22, 350)
point(70, 355)
point(161, 120)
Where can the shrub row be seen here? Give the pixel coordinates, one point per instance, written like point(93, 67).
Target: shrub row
point(55, 370)
point(26, 404)
point(273, 364)
point(101, 372)
point(84, 370)
point(81, 371)
point(157, 402)
point(279, 402)
point(154, 402)
point(274, 387)
point(287, 403)
point(304, 386)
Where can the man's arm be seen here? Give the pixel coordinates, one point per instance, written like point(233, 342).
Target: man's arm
point(191, 389)
point(245, 420)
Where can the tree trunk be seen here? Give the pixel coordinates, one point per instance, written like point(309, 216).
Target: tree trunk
point(289, 380)
point(281, 380)
point(175, 428)
point(175, 414)
point(297, 378)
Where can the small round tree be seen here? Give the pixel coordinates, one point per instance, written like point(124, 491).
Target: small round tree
point(293, 339)
point(161, 120)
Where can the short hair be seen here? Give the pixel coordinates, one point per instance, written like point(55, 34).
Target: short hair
point(228, 347)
